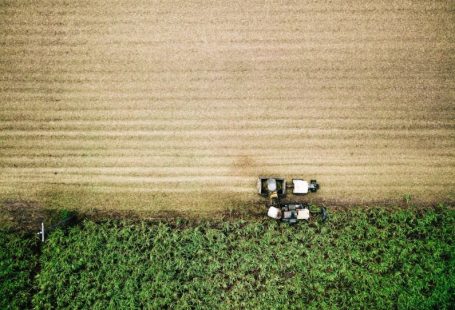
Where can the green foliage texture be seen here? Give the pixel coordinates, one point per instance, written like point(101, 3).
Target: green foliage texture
point(17, 262)
point(359, 259)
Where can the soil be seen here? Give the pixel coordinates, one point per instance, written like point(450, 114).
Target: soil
point(177, 106)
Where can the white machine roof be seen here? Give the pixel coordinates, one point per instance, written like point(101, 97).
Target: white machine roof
point(274, 213)
point(300, 187)
point(303, 214)
point(271, 185)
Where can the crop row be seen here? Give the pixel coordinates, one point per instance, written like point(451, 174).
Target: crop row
point(359, 259)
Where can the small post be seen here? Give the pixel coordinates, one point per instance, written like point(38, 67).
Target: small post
point(42, 232)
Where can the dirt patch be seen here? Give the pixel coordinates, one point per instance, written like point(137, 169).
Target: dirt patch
point(243, 165)
point(24, 215)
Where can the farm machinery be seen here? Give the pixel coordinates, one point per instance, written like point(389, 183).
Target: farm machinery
point(291, 212)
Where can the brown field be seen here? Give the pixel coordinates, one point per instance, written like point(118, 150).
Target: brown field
point(180, 105)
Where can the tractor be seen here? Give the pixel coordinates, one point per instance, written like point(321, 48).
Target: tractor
point(274, 189)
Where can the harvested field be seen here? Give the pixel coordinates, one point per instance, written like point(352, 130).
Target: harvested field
point(179, 105)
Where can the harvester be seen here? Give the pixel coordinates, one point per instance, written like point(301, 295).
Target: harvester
point(291, 212)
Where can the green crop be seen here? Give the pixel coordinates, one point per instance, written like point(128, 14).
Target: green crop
point(17, 263)
point(360, 259)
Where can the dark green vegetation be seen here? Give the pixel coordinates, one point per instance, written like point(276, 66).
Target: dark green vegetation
point(359, 259)
point(18, 260)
